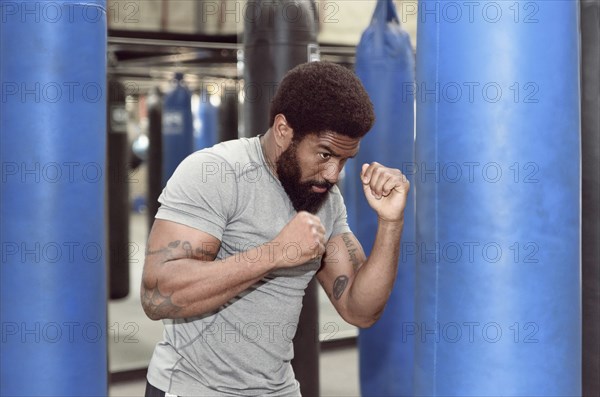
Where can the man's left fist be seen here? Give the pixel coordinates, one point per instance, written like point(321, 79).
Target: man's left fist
point(386, 190)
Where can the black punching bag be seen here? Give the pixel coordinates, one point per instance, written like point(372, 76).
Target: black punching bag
point(154, 104)
point(117, 191)
point(277, 37)
point(228, 114)
point(590, 194)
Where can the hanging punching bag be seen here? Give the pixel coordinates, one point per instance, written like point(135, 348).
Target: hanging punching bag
point(207, 132)
point(590, 193)
point(277, 36)
point(228, 119)
point(154, 103)
point(53, 126)
point(228, 114)
point(385, 65)
point(498, 302)
point(177, 127)
point(117, 191)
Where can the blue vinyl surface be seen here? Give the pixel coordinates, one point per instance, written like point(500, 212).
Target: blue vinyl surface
point(207, 133)
point(498, 304)
point(53, 149)
point(385, 64)
point(177, 127)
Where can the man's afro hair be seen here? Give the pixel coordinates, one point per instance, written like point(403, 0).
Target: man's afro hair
point(316, 97)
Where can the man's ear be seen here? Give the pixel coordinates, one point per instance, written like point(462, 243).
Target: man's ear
point(282, 131)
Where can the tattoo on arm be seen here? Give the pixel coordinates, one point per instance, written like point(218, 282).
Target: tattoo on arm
point(339, 286)
point(157, 304)
point(352, 248)
point(171, 245)
point(155, 252)
point(188, 249)
point(206, 252)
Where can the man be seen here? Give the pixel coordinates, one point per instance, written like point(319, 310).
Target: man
point(245, 225)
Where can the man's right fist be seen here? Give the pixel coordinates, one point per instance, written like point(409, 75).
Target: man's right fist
point(300, 241)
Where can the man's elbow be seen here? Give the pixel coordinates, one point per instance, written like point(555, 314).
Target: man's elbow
point(151, 314)
point(154, 303)
point(363, 321)
point(149, 309)
point(151, 300)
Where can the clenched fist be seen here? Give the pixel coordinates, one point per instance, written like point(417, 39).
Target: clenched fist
point(386, 190)
point(301, 240)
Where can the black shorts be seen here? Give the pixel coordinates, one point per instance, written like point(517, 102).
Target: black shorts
point(152, 391)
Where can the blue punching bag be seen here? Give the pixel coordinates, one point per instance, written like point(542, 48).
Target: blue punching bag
point(206, 133)
point(385, 65)
point(498, 301)
point(53, 134)
point(177, 127)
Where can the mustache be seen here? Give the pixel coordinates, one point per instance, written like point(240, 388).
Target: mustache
point(325, 184)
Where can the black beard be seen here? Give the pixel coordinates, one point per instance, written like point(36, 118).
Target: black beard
point(300, 193)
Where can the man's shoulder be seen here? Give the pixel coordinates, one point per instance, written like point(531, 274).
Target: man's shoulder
point(239, 150)
point(227, 160)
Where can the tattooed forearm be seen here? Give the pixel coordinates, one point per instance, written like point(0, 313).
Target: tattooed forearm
point(156, 305)
point(187, 247)
point(352, 249)
point(339, 286)
point(171, 245)
point(156, 252)
point(177, 250)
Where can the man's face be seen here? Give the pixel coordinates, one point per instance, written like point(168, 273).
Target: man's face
point(308, 169)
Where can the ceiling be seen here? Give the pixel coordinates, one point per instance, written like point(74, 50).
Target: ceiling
point(151, 58)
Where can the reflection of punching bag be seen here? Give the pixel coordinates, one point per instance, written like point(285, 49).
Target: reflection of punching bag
point(52, 218)
point(277, 36)
point(177, 127)
point(206, 134)
point(117, 191)
point(154, 103)
point(385, 65)
point(590, 193)
point(498, 292)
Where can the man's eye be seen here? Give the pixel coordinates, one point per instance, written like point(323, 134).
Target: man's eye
point(325, 156)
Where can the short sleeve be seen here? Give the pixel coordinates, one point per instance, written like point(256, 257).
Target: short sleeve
point(199, 194)
point(340, 221)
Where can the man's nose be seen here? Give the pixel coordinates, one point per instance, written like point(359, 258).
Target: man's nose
point(331, 172)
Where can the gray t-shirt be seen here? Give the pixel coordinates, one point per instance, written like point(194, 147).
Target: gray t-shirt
point(245, 347)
